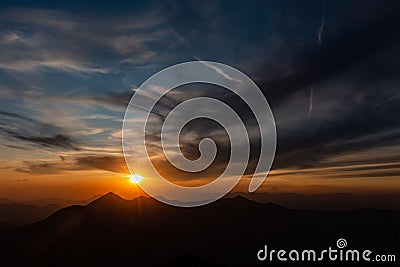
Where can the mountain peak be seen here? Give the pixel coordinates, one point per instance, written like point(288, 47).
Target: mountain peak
point(111, 195)
point(240, 198)
point(109, 198)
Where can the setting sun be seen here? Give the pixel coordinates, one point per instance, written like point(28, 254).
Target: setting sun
point(135, 178)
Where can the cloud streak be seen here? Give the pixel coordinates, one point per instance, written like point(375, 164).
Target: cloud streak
point(28, 130)
point(48, 40)
point(321, 28)
point(310, 106)
point(90, 162)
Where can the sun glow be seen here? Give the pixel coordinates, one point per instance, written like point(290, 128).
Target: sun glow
point(135, 178)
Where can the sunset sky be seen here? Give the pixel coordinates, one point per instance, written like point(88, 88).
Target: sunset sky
point(330, 71)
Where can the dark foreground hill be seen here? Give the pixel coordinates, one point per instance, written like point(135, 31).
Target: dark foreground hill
point(112, 231)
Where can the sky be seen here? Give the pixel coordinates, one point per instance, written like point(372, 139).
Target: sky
point(329, 70)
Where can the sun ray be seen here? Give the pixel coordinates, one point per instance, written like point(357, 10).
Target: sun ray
point(135, 178)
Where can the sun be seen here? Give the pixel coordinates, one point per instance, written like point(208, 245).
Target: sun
point(135, 178)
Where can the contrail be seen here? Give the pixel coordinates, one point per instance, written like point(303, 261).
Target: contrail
point(310, 106)
point(321, 28)
point(183, 41)
point(220, 71)
point(179, 38)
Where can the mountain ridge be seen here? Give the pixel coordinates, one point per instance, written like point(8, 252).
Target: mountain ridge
point(114, 231)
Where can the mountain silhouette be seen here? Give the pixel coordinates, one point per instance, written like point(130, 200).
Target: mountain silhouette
point(21, 214)
point(327, 201)
point(112, 231)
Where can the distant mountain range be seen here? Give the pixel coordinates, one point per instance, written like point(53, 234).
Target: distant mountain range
point(327, 201)
point(331, 201)
point(111, 231)
point(21, 214)
point(26, 212)
point(47, 201)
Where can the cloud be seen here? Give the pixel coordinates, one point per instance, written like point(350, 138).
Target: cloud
point(91, 162)
point(309, 65)
point(30, 131)
point(221, 72)
point(310, 106)
point(42, 168)
point(40, 17)
point(334, 170)
point(12, 37)
point(321, 28)
point(40, 40)
point(108, 163)
point(356, 72)
point(43, 64)
point(112, 99)
point(55, 141)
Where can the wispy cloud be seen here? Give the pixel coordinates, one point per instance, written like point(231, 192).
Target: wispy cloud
point(111, 163)
point(40, 39)
point(28, 130)
point(310, 105)
point(221, 72)
point(43, 64)
point(321, 28)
